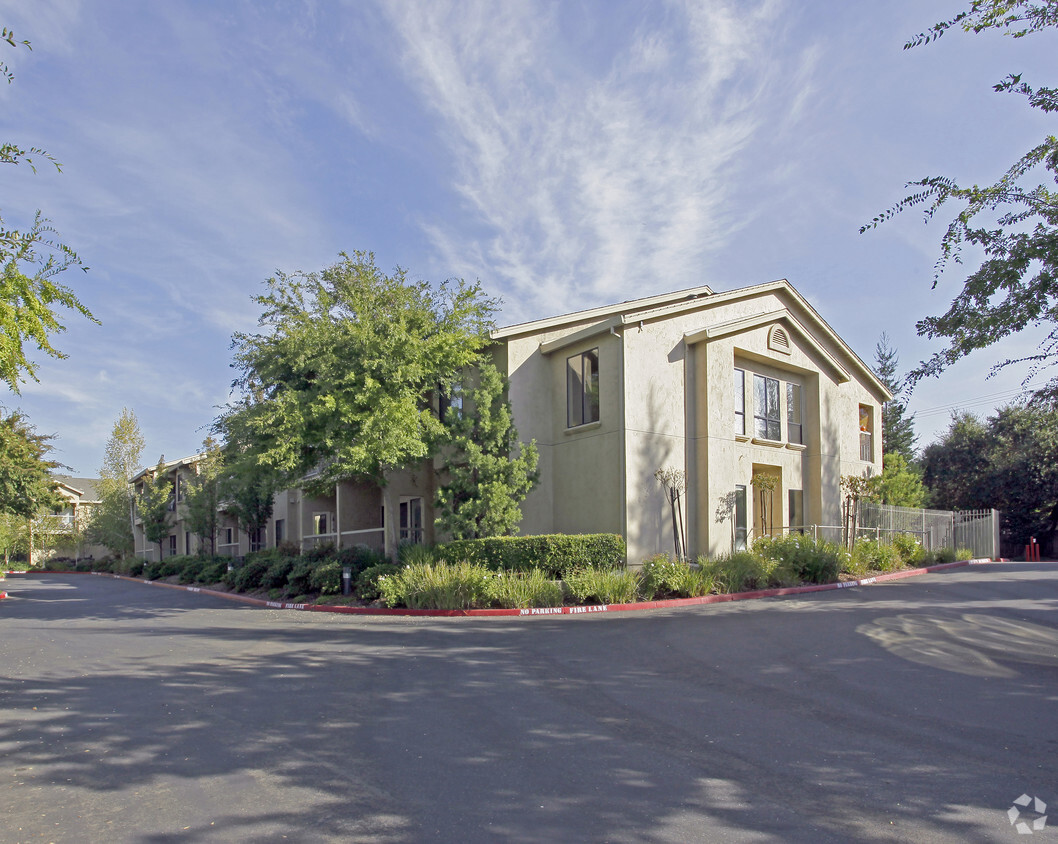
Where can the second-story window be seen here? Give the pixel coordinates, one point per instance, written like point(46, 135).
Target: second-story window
point(794, 431)
point(740, 402)
point(766, 408)
point(582, 389)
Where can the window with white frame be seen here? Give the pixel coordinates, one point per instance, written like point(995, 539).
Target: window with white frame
point(411, 529)
point(740, 402)
point(582, 388)
point(794, 432)
point(322, 523)
point(766, 408)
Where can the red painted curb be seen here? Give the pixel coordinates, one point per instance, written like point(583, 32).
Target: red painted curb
point(543, 611)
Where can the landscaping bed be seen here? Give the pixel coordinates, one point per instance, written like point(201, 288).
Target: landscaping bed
point(499, 574)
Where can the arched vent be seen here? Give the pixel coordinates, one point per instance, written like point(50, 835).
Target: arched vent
point(779, 340)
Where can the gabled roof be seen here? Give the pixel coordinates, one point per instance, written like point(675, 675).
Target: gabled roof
point(86, 489)
point(613, 317)
point(621, 308)
point(169, 464)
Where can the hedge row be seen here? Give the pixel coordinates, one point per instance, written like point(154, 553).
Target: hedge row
point(556, 555)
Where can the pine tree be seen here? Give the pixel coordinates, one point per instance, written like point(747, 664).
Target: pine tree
point(485, 482)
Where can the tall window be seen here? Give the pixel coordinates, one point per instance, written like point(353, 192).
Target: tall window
point(866, 430)
point(797, 510)
point(322, 523)
point(411, 520)
point(451, 402)
point(257, 539)
point(280, 530)
point(172, 545)
point(740, 402)
point(582, 389)
point(793, 414)
point(741, 533)
point(766, 408)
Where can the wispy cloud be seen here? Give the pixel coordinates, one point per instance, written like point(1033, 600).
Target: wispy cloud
point(592, 180)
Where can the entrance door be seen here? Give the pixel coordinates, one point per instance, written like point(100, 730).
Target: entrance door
point(767, 500)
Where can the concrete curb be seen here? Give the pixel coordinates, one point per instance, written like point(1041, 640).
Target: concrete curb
point(553, 611)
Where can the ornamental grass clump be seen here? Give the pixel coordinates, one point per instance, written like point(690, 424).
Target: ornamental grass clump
point(604, 586)
point(910, 550)
point(741, 571)
point(437, 586)
point(522, 590)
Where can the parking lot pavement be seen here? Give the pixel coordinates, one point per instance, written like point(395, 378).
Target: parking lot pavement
point(920, 710)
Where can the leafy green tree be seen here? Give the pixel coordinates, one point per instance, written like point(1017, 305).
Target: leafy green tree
point(953, 468)
point(247, 492)
point(900, 483)
point(898, 429)
point(114, 520)
point(14, 536)
point(1014, 222)
point(340, 378)
point(485, 481)
point(29, 298)
point(202, 496)
point(1009, 462)
point(26, 484)
point(153, 503)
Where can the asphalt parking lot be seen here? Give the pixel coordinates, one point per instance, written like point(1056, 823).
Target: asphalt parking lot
point(915, 710)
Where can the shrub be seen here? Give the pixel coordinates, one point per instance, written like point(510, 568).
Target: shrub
point(437, 586)
point(873, 555)
point(104, 564)
point(299, 577)
point(247, 577)
point(192, 570)
point(944, 555)
point(214, 571)
point(963, 554)
point(521, 590)
point(662, 576)
point(798, 557)
point(59, 564)
point(908, 547)
point(323, 551)
point(367, 584)
point(605, 586)
point(699, 582)
point(554, 554)
point(326, 578)
point(288, 548)
point(413, 554)
point(275, 576)
point(359, 558)
point(741, 571)
point(130, 567)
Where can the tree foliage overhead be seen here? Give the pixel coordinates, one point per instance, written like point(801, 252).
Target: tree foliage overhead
point(1014, 222)
point(484, 480)
point(30, 260)
point(26, 484)
point(339, 378)
point(1009, 462)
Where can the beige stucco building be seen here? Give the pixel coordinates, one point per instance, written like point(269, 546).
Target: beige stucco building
point(715, 387)
point(718, 386)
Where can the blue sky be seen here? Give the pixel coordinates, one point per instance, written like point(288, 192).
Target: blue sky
point(567, 154)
